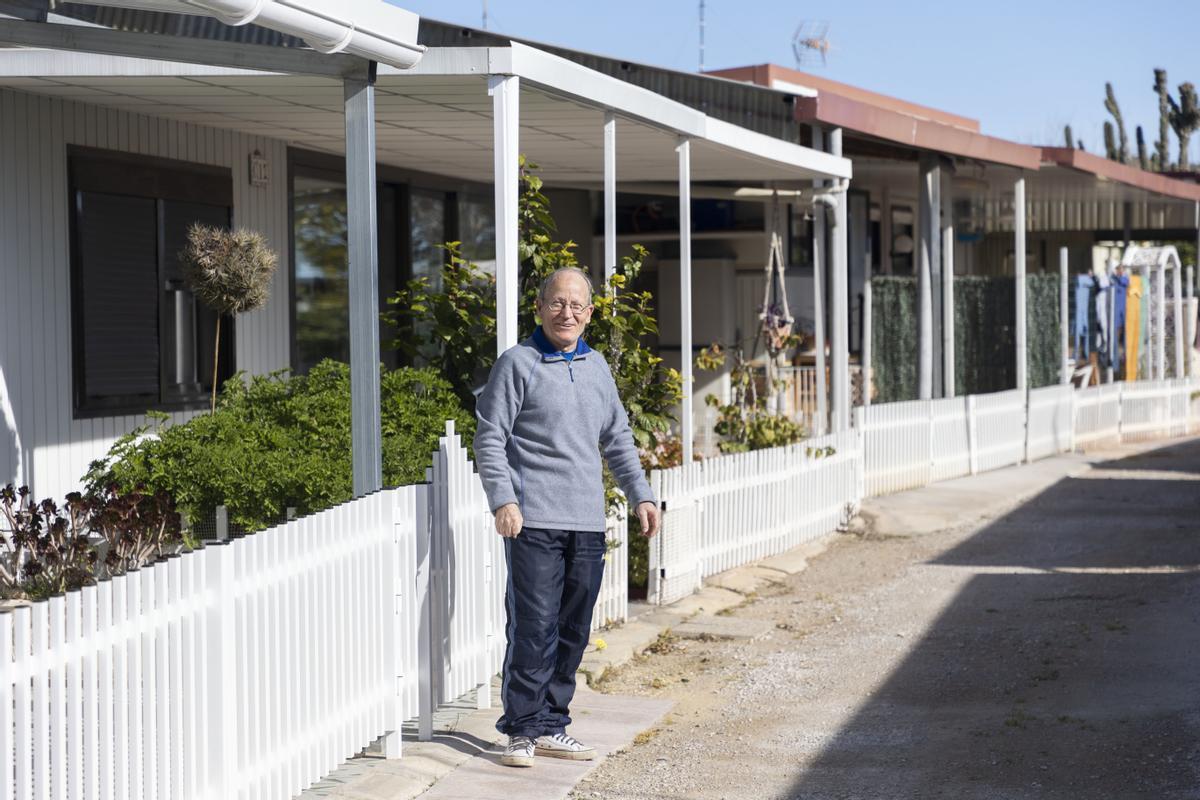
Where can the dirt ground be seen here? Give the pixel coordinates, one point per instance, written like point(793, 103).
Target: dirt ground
point(1051, 652)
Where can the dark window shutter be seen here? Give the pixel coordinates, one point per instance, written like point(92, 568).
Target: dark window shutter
point(118, 259)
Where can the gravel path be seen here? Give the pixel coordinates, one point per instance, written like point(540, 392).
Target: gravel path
point(1050, 652)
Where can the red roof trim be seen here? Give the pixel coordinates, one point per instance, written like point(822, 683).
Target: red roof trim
point(1121, 173)
point(893, 126)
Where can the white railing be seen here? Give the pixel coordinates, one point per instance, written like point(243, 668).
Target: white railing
point(743, 507)
point(253, 667)
point(1050, 428)
point(1154, 408)
point(612, 605)
point(1098, 415)
point(999, 420)
point(897, 444)
point(250, 668)
point(951, 433)
point(467, 577)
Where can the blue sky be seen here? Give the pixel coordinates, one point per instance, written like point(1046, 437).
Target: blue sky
point(1024, 69)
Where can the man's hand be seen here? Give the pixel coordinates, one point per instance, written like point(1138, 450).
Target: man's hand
point(649, 515)
point(509, 520)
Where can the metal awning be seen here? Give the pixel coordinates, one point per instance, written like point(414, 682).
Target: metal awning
point(436, 116)
point(465, 112)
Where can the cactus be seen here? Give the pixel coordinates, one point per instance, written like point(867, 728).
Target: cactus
point(1110, 145)
point(1081, 147)
point(1067, 136)
point(1185, 118)
point(1162, 147)
point(1110, 103)
point(1143, 160)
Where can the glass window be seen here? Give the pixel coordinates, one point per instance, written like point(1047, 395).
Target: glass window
point(800, 233)
point(477, 230)
point(322, 281)
point(428, 226)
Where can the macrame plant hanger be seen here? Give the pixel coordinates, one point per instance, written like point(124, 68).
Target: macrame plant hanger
point(774, 315)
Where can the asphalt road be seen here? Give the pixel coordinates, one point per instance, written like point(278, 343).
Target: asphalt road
point(1049, 650)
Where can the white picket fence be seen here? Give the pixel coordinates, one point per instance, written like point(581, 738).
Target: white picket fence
point(731, 510)
point(911, 444)
point(735, 509)
point(245, 669)
point(252, 668)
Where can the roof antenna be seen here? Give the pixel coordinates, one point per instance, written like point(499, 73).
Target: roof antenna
point(810, 39)
point(702, 35)
point(485, 15)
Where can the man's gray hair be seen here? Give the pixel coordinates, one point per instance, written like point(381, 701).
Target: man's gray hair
point(553, 276)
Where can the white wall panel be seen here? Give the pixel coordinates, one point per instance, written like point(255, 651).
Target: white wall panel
point(40, 443)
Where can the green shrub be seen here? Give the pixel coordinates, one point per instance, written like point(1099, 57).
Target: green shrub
point(276, 442)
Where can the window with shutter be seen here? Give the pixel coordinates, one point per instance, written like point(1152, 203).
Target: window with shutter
point(141, 341)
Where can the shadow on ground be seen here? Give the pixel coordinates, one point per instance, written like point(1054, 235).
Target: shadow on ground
point(1068, 666)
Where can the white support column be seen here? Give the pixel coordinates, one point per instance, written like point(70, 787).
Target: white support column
point(1160, 352)
point(684, 149)
point(1177, 287)
point(366, 444)
point(929, 265)
point(868, 332)
point(1019, 277)
point(839, 299)
point(505, 92)
point(1063, 318)
point(610, 195)
point(1147, 350)
point(819, 245)
point(1110, 330)
point(948, 307)
point(1189, 293)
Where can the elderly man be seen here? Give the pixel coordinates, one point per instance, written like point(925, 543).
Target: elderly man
point(550, 408)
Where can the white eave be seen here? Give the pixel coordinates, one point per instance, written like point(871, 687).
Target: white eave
point(436, 115)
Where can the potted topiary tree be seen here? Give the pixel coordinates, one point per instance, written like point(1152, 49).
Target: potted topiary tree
point(228, 271)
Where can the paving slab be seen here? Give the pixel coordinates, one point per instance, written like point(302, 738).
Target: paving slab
point(796, 560)
point(747, 580)
point(703, 626)
point(608, 722)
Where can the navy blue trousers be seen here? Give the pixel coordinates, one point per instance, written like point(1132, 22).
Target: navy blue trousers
point(553, 580)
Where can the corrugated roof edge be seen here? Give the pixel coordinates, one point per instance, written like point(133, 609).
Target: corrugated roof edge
point(1084, 161)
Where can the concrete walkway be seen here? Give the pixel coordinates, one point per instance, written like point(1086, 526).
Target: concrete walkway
point(1026, 634)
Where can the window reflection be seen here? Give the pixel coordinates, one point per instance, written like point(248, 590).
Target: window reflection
point(322, 287)
point(428, 211)
point(477, 230)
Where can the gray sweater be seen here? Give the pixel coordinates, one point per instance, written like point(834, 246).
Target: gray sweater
point(545, 417)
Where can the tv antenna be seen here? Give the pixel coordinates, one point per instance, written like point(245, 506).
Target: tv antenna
point(810, 40)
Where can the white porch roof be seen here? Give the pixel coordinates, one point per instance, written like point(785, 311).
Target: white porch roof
point(437, 116)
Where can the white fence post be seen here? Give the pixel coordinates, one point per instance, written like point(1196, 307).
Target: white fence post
point(221, 673)
point(1025, 453)
point(1120, 409)
point(929, 418)
point(860, 439)
point(972, 434)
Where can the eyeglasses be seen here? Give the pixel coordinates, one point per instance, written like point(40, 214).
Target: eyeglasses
point(556, 307)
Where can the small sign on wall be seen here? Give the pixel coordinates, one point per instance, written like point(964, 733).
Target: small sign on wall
point(260, 169)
